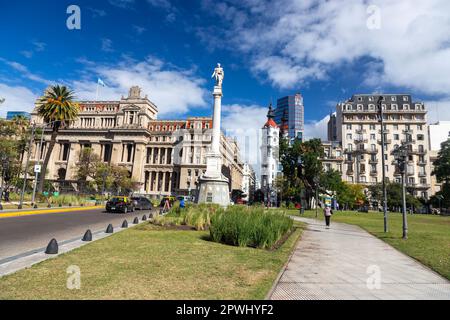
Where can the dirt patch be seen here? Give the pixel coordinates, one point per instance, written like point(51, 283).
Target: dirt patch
point(282, 240)
point(174, 227)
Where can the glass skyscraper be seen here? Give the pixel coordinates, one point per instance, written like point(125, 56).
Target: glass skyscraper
point(291, 109)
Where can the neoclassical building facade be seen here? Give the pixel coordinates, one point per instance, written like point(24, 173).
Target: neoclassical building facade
point(165, 157)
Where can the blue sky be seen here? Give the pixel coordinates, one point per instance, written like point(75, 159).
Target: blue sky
point(326, 50)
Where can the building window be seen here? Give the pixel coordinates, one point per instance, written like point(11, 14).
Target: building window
point(65, 152)
point(107, 151)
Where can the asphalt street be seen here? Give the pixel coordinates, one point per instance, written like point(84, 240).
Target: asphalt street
point(19, 235)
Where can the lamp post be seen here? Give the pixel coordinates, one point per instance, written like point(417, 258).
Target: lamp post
point(316, 182)
point(104, 175)
point(5, 165)
point(25, 176)
point(401, 155)
point(42, 127)
point(383, 163)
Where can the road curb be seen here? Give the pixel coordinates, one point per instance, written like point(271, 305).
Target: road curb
point(46, 211)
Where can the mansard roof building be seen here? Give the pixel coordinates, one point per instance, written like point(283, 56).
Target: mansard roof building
point(165, 157)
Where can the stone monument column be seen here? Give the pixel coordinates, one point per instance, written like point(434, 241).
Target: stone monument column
point(213, 185)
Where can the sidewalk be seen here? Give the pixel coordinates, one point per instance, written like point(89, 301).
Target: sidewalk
point(343, 263)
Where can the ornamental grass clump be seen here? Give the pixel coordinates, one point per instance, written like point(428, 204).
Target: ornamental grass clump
point(250, 227)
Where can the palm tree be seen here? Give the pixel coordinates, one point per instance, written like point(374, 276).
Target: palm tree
point(57, 109)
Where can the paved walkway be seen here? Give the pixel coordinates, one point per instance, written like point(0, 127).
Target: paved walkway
point(344, 263)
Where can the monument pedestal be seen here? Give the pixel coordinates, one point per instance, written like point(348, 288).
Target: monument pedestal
point(213, 185)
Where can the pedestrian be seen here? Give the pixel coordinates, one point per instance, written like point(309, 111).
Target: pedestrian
point(182, 203)
point(328, 212)
point(6, 196)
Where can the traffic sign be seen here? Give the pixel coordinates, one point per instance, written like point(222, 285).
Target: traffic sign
point(37, 168)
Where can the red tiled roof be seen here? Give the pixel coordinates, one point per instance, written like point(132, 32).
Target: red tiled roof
point(270, 123)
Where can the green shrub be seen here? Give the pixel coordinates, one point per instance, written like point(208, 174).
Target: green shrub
point(249, 227)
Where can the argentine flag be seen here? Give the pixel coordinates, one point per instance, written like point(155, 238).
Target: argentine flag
point(101, 83)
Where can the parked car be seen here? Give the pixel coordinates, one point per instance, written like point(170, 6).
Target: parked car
point(120, 204)
point(142, 203)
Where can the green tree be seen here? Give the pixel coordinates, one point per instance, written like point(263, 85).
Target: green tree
point(96, 174)
point(57, 109)
point(331, 180)
point(301, 166)
point(14, 135)
point(442, 173)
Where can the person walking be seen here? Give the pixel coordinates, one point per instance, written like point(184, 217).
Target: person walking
point(327, 213)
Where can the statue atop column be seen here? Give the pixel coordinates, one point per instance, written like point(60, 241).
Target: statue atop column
point(213, 185)
point(218, 75)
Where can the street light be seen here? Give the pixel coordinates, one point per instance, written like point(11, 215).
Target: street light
point(42, 127)
point(316, 182)
point(5, 167)
point(25, 176)
point(383, 162)
point(401, 156)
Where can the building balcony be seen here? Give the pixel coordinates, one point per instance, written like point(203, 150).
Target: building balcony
point(387, 141)
point(373, 161)
point(410, 141)
point(361, 150)
point(373, 151)
point(422, 174)
point(360, 140)
point(350, 172)
point(417, 152)
point(422, 163)
point(374, 173)
point(387, 131)
point(361, 131)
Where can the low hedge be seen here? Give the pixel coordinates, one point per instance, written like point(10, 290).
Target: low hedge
point(250, 227)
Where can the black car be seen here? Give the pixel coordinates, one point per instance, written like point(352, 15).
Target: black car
point(142, 203)
point(120, 204)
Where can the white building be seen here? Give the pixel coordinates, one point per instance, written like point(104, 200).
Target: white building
point(359, 130)
point(439, 132)
point(270, 158)
point(248, 182)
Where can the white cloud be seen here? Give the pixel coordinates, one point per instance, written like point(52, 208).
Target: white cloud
point(173, 90)
point(122, 3)
point(290, 42)
point(107, 45)
point(24, 72)
point(317, 129)
point(17, 98)
point(245, 122)
point(139, 29)
point(438, 110)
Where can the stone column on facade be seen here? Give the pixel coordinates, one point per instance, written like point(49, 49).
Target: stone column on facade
point(73, 159)
point(138, 163)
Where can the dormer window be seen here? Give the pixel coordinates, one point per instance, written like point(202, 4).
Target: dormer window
point(405, 98)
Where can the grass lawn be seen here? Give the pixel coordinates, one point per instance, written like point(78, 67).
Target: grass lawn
point(148, 262)
point(428, 236)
